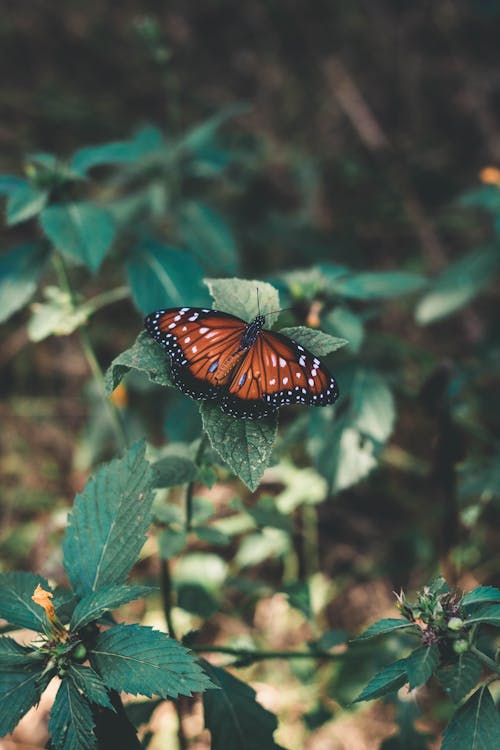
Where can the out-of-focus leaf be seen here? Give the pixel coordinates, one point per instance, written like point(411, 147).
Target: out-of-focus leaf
point(145, 141)
point(209, 237)
point(255, 548)
point(172, 471)
point(161, 277)
point(56, 316)
point(345, 324)
point(10, 184)
point(202, 135)
point(171, 543)
point(20, 270)
point(82, 231)
point(378, 284)
point(299, 596)
point(24, 203)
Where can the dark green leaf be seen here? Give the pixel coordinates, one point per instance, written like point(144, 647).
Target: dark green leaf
point(345, 324)
point(90, 684)
point(244, 298)
point(145, 141)
point(382, 627)
point(389, 680)
point(10, 184)
point(211, 535)
point(378, 284)
point(82, 231)
point(475, 725)
point(172, 471)
point(140, 712)
point(93, 606)
point(196, 599)
point(161, 277)
point(299, 596)
point(71, 725)
point(458, 679)
point(19, 691)
point(234, 717)
point(421, 664)
point(171, 543)
point(16, 604)
point(480, 595)
point(245, 445)
point(147, 356)
point(20, 269)
point(439, 586)
point(488, 613)
point(209, 237)
point(142, 660)
point(108, 525)
point(13, 655)
point(25, 203)
point(328, 640)
point(318, 342)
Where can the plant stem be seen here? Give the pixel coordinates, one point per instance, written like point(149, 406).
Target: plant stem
point(167, 595)
point(190, 488)
point(244, 653)
point(487, 661)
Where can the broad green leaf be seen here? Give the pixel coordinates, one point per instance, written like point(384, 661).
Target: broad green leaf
point(56, 316)
point(255, 548)
point(475, 725)
point(207, 569)
point(389, 680)
point(201, 135)
point(345, 324)
point(90, 684)
point(197, 600)
point(458, 284)
point(212, 535)
point(480, 595)
point(13, 655)
point(71, 725)
point(16, 604)
point(20, 270)
point(142, 660)
point(172, 471)
point(234, 717)
point(25, 203)
point(171, 543)
point(145, 141)
point(378, 284)
point(421, 664)
point(318, 342)
point(488, 613)
point(373, 411)
point(382, 627)
point(145, 355)
point(209, 237)
point(458, 679)
point(244, 298)
point(161, 276)
point(245, 445)
point(82, 231)
point(93, 606)
point(10, 183)
point(19, 691)
point(108, 524)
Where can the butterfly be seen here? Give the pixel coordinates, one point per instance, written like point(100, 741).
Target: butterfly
point(248, 371)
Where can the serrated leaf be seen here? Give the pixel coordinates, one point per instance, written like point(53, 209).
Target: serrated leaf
point(25, 203)
point(13, 655)
point(318, 342)
point(475, 725)
point(439, 586)
point(209, 237)
point(378, 284)
point(20, 270)
point(19, 691)
point(146, 356)
point(145, 141)
point(488, 613)
point(480, 595)
point(108, 524)
point(458, 679)
point(16, 604)
point(71, 725)
point(82, 231)
point(382, 627)
point(90, 684)
point(172, 471)
point(245, 445)
point(421, 664)
point(389, 680)
point(141, 660)
point(245, 298)
point(234, 717)
point(93, 606)
point(161, 276)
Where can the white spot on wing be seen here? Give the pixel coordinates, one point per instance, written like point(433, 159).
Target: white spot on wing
point(282, 362)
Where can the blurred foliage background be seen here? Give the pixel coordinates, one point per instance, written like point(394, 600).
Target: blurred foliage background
point(347, 153)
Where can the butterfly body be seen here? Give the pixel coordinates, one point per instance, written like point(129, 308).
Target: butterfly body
point(249, 371)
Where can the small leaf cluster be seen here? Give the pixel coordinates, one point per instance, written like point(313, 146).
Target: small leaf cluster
point(448, 626)
point(79, 641)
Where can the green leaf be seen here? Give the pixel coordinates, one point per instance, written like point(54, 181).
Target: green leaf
point(108, 524)
point(378, 284)
point(299, 596)
point(209, 237)
point(475, 725)
point(147, 356)
point(90, 684)
point(171, 543)
point(13, 655)
point(93, 606)
point(82, 231)
point(172, 471)
point(56, 316)
point(245, 445)
point(318, 342)
point(382, 627)
point(488, 613)
point(421, 665)
point(196, 599)
point(234, 717)
point(20, 270)
point(10, 183)
point(480, 595)
point(244, 298)
point(458, 679)
point(346, 324)
point(71, 725)
point(203, 134)
point(160, 276)
point(458, 284)
point(389, 680)
point(19, 691)
point(211, 535)
point(372, 406)
point(25, 203)
point(16, 604)
point(141, 660)
point(145, 141)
